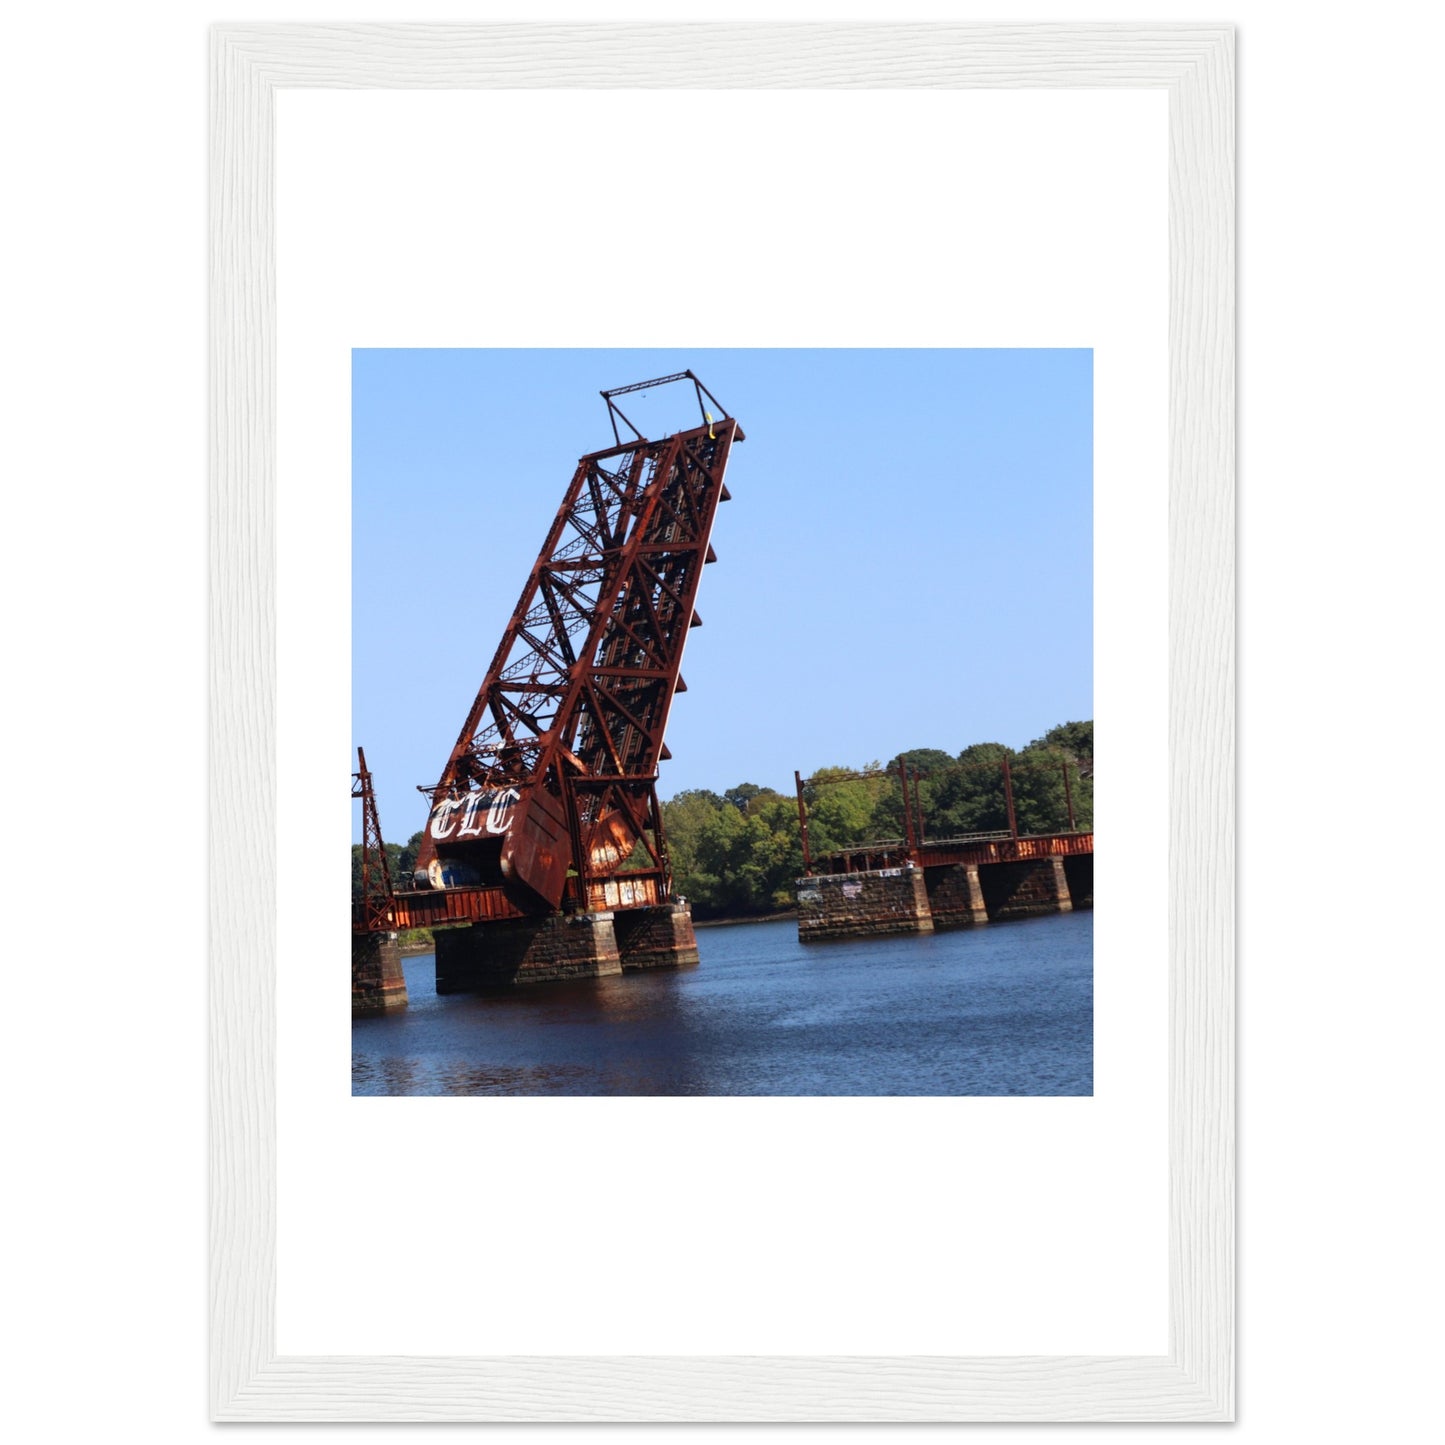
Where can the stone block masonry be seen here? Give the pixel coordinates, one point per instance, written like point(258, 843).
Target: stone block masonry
point(916, 900)
point(510, 952)
point(377, 981)
point(955, 896)
point(859, 905)
point(1021, 890)
point(660, 937)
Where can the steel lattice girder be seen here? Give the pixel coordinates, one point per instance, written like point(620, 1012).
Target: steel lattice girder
point(375, 911)
point(556, 765)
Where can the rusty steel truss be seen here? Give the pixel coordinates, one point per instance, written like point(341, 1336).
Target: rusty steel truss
point(374, 910)
point(549, 798)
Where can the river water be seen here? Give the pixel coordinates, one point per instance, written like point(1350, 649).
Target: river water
point(1004, 1009)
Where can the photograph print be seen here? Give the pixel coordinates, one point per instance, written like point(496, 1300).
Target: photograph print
point(836, 841)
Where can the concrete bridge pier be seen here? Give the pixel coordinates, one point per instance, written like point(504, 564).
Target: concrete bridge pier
point(512, 951)
point(1025, 889)
point(377, 981)
point(955, 896)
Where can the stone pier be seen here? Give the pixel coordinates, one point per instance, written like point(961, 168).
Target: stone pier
point(859, 905)
point(955, 896)
point(659, 937)
point(498, 955)
point(947, 895)
point(377, 981)
point(1022, 890)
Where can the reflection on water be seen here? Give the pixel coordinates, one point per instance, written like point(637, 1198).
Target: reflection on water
point(1005, 1009)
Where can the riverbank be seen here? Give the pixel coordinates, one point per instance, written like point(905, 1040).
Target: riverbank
point(745, 918)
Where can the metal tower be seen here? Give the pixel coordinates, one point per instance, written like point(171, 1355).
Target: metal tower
point(374, 910)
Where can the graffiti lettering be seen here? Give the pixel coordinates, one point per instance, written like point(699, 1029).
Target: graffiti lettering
point(442, 818)
point(499, 815)
point(470, 828)
point(464, 815)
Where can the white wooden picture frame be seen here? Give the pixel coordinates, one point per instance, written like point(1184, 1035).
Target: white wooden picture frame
point(1195, 1379)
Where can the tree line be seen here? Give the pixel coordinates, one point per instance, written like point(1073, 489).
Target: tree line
point(738, 853)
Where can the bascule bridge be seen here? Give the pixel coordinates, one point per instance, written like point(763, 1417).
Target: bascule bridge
point(544, 854)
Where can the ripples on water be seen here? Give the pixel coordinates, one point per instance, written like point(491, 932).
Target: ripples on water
point(1005, 1009)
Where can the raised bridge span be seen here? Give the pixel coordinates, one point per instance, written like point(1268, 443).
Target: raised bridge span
point(544, 833)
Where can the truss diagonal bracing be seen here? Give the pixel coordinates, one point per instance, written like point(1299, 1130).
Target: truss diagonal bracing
point(373, 911)
point(551, 783)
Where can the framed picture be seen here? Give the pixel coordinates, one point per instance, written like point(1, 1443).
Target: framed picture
point(433, 207)
point(804, 747)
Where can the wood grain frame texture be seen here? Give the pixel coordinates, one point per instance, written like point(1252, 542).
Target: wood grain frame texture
point(1195, 1380)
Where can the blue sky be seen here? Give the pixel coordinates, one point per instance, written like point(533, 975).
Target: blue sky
point(907, 560)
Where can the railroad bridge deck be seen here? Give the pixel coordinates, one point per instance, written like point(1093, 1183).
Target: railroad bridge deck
point(892, 886)
point(971, 849)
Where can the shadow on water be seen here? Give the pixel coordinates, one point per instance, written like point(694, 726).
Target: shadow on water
point(1001, 1010)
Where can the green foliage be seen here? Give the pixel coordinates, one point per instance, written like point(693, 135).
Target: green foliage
point(922, 760)
point(400, 858)
point(841, 807)
point(1040, 796)
point(742, 795)
point(968, 796)
point(393, 858)
point(1074, 738)
point(405, 864)
point(727, 861)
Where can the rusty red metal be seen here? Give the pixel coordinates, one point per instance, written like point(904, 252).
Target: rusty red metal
point(375, 910)
point(908, 833)
point(1008, 792)
point(979, 848)
point(434, 908)
point(549, 796)
point(1006, 850)
point(803, 823)
point(917, 807)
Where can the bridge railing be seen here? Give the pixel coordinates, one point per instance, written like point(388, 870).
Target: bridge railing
point(971, 848)
point(1007, 849)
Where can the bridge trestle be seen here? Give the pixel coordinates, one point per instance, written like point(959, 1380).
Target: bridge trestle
point(949, 885)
